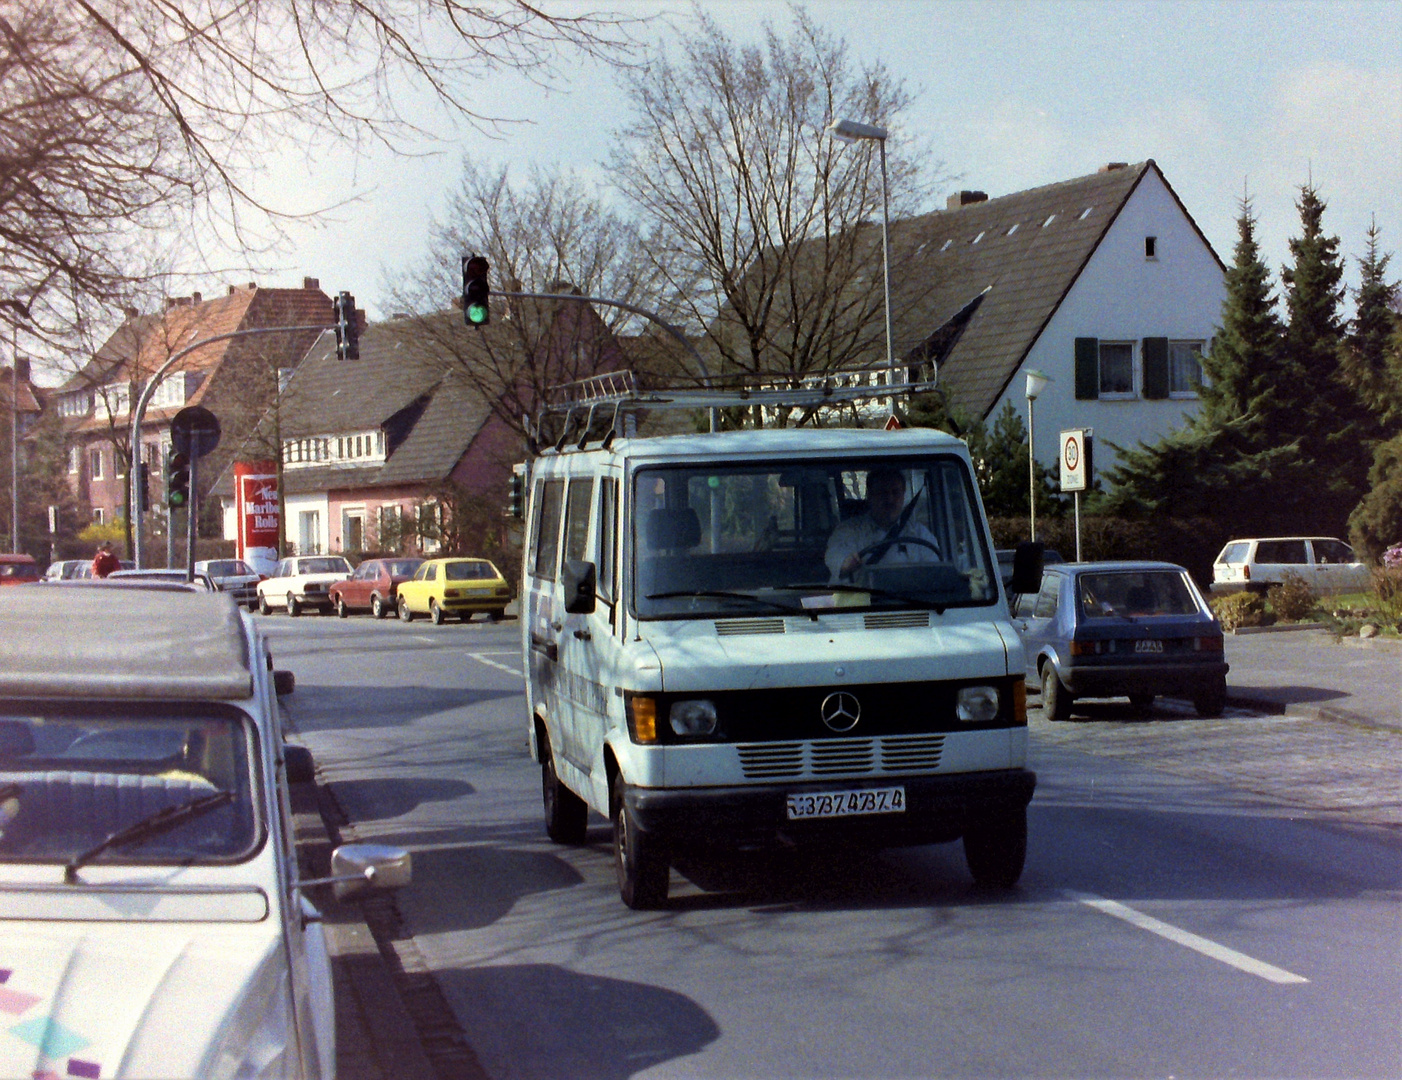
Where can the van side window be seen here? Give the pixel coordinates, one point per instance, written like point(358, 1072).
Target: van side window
point(580, 502)
point(550, 496)
point(608, 538)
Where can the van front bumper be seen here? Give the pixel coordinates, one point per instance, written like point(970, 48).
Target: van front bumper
point(938, 809)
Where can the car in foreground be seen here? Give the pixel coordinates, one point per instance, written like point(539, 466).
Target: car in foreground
point(374, 587)
point(155, 919)
point(302, 581)
point(233, 576)
point(443, 587)
point(1327, 565)
point(19, 569)
point(1111, 629)
point(198, 581)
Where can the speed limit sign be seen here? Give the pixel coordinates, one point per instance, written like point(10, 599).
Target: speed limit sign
point(1075, 460)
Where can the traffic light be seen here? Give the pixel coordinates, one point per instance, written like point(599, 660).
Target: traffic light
point(475, 291)
point(177, 480)
point(143, 487)
point(516, 496)
point(347, 329)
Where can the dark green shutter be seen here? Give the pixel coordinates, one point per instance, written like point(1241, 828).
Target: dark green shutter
point(1087, 368)
point(1156, 368)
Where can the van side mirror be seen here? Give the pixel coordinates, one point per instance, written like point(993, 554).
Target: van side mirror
point(579, 580)
point(359, 871)
point(284, 682)
point(1027, 567)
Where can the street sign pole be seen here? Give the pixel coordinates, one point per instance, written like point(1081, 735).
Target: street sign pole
point(192, 517)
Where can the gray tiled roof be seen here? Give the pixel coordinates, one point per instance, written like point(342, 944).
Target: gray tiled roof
point(1030, 271)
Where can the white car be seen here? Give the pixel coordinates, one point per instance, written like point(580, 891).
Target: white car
point(1329, 566)
point(233, 576)
point(152, 919)
point(302, 581)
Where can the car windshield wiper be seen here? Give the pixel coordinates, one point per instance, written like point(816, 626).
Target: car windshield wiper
point(885, 594)
point(159, 822)
point(719, 594)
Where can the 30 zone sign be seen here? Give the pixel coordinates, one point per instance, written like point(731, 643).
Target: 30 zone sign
point(1075, 460)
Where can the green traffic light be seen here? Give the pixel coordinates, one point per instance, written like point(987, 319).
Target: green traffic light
point(477, 314)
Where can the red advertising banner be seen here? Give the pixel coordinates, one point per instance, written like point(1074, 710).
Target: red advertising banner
point(256, 503)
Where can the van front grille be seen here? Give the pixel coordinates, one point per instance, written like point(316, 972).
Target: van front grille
point(898, 620)
point(737, 627)
point(840, 757)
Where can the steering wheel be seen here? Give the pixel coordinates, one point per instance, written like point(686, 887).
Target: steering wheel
point(884, 545)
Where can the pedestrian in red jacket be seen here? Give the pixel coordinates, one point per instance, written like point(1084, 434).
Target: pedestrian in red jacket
point(104, 562)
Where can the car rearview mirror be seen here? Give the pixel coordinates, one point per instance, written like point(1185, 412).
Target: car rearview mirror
point(359, 871)
point(1027, 567)
point(578, 581)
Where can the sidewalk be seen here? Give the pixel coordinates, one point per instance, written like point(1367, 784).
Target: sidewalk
point(1308, 673)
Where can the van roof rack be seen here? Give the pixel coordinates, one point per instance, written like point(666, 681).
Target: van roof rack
point(620, 392)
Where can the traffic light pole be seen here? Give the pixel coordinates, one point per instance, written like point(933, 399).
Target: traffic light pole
point(191, 518)
point(138, 544)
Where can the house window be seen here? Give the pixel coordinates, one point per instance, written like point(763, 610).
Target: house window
point(75, 459)
point(1184, 368)
point(309, 532)
point(1151, 247)
point(390, 525)
point(1116, 369)
point(95, 464)
point(98, 516)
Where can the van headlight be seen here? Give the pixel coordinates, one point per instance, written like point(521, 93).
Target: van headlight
point(694, 717)
point(977, 704)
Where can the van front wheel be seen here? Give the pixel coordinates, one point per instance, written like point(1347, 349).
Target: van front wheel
point(566, 814)
point(995, 849)
point(643, 869)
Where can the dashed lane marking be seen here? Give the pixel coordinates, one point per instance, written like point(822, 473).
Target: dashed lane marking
point(1179, 936)
point(482, 659)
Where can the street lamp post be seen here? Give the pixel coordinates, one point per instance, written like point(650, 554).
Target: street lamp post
point(1036, 383)
point(852, 131)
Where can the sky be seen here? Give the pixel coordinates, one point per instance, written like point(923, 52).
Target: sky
point(1228, 98)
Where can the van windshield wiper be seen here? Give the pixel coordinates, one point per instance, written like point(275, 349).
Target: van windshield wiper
point(719, 594)
point(159, 822)
point(885, 594)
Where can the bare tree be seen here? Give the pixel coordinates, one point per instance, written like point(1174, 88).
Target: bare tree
point(759, 224)
point(128, 117)
point(547, 234)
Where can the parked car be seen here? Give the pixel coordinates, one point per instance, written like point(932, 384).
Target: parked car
point(374, 587)
point(1107, 629)
point(442, 587)
point(1328, 566)
point(84, 570)
point(302, 581)
point(156, 922)
point(65, 569)
point(233, 576)
point(18, 569)
point(177, 576)
point(1005, 562)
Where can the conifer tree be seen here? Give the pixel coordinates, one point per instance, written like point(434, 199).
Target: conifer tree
point(1230, 460)
point(1322, 409)
point(1366, 345)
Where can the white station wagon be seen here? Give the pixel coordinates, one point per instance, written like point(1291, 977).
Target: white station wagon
point(151, 918)
point(302, 581)
point(1329, 566)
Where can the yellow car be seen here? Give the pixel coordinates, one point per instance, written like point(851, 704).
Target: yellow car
point(443, 587)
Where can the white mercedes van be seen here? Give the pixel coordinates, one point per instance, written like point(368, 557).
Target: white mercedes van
point(730, 643)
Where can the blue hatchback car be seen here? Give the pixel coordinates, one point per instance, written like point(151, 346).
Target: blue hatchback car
point(1107, 629)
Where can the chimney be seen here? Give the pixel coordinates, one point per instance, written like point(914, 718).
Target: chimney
point(22, 368)
point(233, 289)
point(130, 312)
point(311, 283)
point(965, 198)
point(252, 285)
point(1114, 166)
point(197, 298)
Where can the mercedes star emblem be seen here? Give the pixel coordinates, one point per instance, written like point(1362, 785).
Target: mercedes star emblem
point(841, 711)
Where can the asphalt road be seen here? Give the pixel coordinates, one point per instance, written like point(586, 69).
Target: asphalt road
point(1201, 898)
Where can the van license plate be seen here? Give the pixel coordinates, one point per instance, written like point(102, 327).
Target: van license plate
point(828, 804)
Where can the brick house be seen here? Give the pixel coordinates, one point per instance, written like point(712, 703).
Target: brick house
point(235, 379)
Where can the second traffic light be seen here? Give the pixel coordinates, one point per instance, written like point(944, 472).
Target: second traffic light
point(475, 291)
point(177, 480)
point(347, 328)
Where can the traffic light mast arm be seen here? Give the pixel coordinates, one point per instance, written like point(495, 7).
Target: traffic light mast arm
point(150, 388)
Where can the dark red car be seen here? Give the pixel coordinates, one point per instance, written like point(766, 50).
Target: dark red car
point(18, 569)
point(373, 587)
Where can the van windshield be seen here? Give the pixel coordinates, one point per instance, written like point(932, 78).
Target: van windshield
point(765, 538)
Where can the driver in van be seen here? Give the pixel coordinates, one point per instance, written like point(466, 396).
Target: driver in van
point(849, 544)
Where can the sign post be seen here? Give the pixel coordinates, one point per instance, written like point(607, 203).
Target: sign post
point(194, 432)
point(1076, 470)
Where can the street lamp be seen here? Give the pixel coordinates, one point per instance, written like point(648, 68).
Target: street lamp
point(1036, 383)
point(852, 131)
